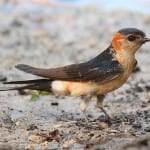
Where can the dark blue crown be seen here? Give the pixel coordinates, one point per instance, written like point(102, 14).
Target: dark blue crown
point(126, 31)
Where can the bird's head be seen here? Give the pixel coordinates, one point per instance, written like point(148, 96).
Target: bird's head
point(129, 40)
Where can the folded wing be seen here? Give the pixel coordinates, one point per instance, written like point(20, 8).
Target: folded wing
point(100, 69)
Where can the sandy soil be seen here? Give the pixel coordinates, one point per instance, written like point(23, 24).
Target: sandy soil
point(49, 36)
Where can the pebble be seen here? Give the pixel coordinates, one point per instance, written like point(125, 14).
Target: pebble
point(35, 138)
point(3, 78)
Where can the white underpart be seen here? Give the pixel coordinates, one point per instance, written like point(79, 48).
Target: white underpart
point(58, 87)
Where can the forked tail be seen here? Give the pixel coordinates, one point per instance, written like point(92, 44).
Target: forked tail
point(37, 84)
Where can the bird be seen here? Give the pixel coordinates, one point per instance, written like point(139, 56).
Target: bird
point(100, 75)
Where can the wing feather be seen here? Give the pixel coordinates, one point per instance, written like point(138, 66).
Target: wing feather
point(102, 68)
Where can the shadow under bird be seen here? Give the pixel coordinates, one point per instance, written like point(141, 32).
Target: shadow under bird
point(96, 77)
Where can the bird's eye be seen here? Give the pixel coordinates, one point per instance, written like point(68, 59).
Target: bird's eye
point(132, 38)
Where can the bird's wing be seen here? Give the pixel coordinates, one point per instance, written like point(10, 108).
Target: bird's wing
point(100, 69)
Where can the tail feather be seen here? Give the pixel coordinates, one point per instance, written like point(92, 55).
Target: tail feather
point(29, 87)
point(27, 81)
point(38, 84)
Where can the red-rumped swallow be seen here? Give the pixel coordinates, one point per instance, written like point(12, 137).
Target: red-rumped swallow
point(97, 77)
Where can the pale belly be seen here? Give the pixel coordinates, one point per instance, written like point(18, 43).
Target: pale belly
point(88, 88)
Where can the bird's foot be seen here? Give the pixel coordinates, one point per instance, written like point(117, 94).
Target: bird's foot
point(86, 118)
point(107, 118)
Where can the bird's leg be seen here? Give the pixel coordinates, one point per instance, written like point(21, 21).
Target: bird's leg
point(83, 106)
point(99, 104)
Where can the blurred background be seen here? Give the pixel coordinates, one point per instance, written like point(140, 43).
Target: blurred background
point(58, 32)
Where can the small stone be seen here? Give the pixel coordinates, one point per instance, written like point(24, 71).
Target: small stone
point(113, 131)
point(68, 143)
point(54, 103)
point(18, 123)
point(103, 125)
point(136, 125)
point(35, 138)
point(3, 78)
point(147, 129)
point(32, 127)
point(29, 147)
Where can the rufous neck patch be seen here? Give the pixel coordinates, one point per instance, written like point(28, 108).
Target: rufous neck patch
point(116, 44)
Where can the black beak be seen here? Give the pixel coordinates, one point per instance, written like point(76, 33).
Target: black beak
point(145, 40)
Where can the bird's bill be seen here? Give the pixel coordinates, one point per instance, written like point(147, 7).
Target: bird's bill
point(146, 40)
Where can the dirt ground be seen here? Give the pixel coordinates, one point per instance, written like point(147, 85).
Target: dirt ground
point(49, 36)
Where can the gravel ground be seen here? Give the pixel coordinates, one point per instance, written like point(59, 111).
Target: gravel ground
point(52, 35)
